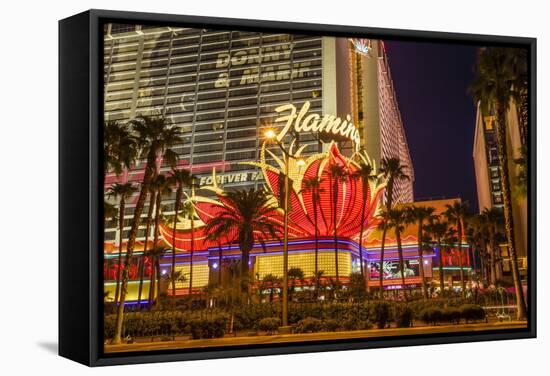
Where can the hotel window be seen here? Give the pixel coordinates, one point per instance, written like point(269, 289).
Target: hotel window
point(493, 155)
point(122, 28)
point(497, 198)
point(494, 173)
point(111, 235)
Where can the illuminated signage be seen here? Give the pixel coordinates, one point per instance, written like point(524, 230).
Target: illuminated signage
point(304, 122)
point(268, 73)
point(362, 46)
point(236, 177)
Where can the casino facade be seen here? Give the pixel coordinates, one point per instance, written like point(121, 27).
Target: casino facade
point(224, 89)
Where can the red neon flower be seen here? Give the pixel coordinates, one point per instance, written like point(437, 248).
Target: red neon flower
point(301, 216)
point(349, 198)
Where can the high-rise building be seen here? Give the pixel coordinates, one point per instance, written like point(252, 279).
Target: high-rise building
point(377, 111)
point(489, 190)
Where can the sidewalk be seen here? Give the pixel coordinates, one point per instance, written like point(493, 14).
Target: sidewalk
point(289, 338)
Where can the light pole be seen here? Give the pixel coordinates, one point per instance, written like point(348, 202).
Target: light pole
point(270, 135)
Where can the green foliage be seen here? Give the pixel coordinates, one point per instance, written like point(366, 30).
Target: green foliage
point(304, 317)
point(331, 325)
point(208, 327)
point(431, 315)
point(472, 312)
point(167, 323)
point(381, 313)
point(451, 315)
point(403, 315)
point(354, 323)
point(308, 325)
point(269, 324)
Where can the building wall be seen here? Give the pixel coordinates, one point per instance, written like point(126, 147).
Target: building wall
point(220, 87)
point(481, 165)
point(488, 180)
point(383, 132)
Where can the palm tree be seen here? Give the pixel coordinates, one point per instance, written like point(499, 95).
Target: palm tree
point(494, 87)
point(141, 268)
point(456, 214)
point(317, 277)
point(418, 215)
point(493, 218)
point(438, 229)
point(480, 238)
point(243, 214)
point(313, 186)
point(392, 170)
point(155, 136)
point(179, 178)
point(271, 281)
point(188, 210)
point(449, 239)
point(517, 58)
point(160, 185)
point(523, 173)
point(295, 275)
point(120, 148)
point(365, 175)
point(337, 173)
point(123, 192)
point(110, 212)
point(154, 255)
point(397, 219)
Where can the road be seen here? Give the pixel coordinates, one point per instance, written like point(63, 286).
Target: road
point(289, 338)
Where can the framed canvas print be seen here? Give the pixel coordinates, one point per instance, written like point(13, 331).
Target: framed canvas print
point(241, 187)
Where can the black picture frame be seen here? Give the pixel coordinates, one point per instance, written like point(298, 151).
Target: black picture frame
point(80, 187)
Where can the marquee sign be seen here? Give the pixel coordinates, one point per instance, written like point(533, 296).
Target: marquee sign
point(304, 122)
point(250, 60)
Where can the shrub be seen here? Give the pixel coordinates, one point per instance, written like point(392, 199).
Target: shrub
point(451, 314)
point(472, 312)
point(330, 325)
point(308, 325)
point(353, 323)
point(380, 313)
point(431, 315)
point(403, 316)
point(212, 327)
point(269, 324)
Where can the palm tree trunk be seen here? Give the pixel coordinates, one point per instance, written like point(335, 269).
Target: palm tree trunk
point(142, 264)
point(493, 265)
point(335, 198)
point(389, 199)
point(120, 237)
point(361, 230)
point(401, 261)
point(192, 252)
point(440, 260)
point(381, 267)
point(220, 263)
point(316, 247)
point(460, 260)
point(507, 199)
point(155, 244)
point(173, 270)
point(149, 171)
point(421, 261)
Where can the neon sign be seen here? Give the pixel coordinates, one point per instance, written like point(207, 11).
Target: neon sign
point(304, 122)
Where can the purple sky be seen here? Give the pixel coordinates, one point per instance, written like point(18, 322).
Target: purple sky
point(431, 81)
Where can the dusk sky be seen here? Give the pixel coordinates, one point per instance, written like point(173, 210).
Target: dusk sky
point(431, 81)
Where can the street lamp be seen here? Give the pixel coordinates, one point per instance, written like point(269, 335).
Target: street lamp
point(270, 135)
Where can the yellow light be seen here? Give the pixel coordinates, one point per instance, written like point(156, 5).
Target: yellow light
point(300, 162)
point(270, 134)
